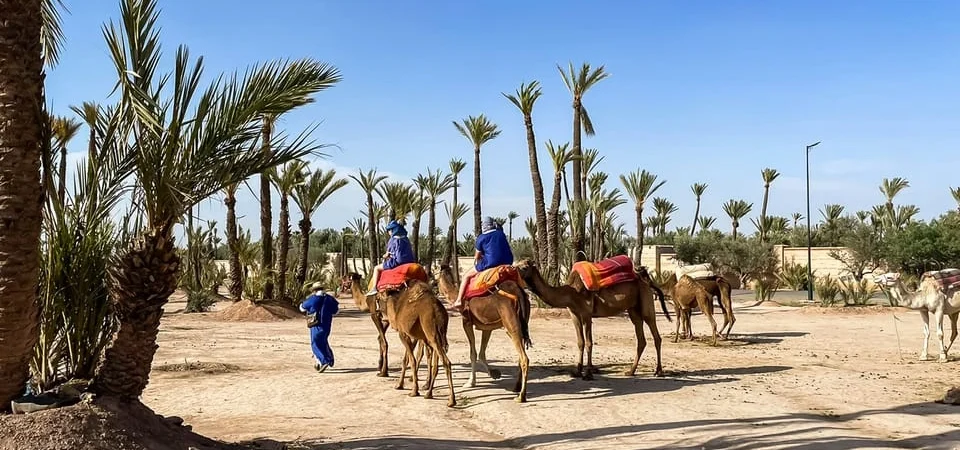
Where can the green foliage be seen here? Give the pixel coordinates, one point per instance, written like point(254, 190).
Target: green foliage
point(748, 258)
point(765, 288)
point(920, 247)
point(794, 276)
point(856, 293)
point(827, 289)
point(864, 249)
point(699, 249)
point(660, 276)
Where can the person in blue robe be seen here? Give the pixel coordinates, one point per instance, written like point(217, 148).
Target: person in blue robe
point(492, 250)
point(322, 307)
point(399, 252)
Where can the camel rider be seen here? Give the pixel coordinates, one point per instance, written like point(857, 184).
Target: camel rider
point(399, 252)
point(492, 250)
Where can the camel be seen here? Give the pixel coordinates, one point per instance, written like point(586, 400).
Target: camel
point(634, 297)
point(684, 294)
point(375, 307)
point(929, 298)
point(507, 307)
point(716, 286)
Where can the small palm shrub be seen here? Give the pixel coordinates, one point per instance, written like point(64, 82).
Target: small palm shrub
point(765, 287)
point(856, 293)
point(793, 276)
point(827, 289)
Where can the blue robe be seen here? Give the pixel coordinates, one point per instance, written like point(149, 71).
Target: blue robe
point(325, 306)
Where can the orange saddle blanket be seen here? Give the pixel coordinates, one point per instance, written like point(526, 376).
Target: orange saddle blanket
point(395, 278)
point(946, 278)
point(479, 284)
point(606, 272)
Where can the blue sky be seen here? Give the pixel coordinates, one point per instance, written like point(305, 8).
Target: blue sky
point(699, 91)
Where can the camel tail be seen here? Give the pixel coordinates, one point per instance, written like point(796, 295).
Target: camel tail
point(663, 303)
point(523, 313)
point(725, 291)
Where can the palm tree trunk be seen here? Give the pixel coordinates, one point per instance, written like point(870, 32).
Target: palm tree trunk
point(92, 145)
point(266, 216)
point(372, 232)
point(300, 275)
point(578, 230)
point(62, 187)
point(476, 192)
point(735, 226)
point(540, 209)
point(696, 217)
point(763, 213)
point(284, 230)
point(236, 272)
point(455, 261)
point(639, 210)
point(431, 235)
point(144, 279)
point(553, 232)
point(21, 136)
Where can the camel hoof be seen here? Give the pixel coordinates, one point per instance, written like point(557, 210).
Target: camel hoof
point(924, 358)
point(521, 399)
point(629, 373)
point(428, 396)
point(658, 372)
point(470, 385)
point(495, 374)
point(399, 387)
point(382, 374)
point(414, 394)
point(451, 403)
point(942, 359)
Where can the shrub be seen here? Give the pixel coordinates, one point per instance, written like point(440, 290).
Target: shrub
point(827, 289)
point(199, 300)
point(856, 293)
point(793, 276)
point(766, 287)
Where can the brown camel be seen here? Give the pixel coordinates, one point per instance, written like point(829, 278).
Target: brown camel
point(716, 286)
point(375, 306)
point(506, 307)
point(419, 316)
point(684, 294)
point(636, 298)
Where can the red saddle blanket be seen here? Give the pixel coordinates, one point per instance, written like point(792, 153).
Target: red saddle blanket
point(398, 276)
point(606, 272)
point(479, 284)
point(946, 278)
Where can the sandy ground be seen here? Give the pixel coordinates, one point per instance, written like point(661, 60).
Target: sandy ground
point(799, 378)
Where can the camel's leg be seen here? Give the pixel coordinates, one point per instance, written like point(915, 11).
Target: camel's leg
point(452, 401)
point(706, 307)
point(953, 329)
point(433, 367)
point(482, 357)
point(728, 315)
point(431, 355)
point(508, 316)
point(472, 340)
point(588, 334)
point(926, 335)
point(938, 317)
point(578, 324)
point(679, 313)
point(407, 361)
point(417, 359)
point(408, 344)
point(688, 323)
point(382, 365)
point(650, 317)
point(641, 339)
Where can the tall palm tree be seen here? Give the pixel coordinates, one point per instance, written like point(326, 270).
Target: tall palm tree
point(294, 174)
point(578, 82)
point(890, 188)
point(831, 213)
point(478, 130)
point(524, 99)
point(360, 230)
point(589, 161)
point(32, 35)
point(531, 225)
point(266, 209)
point(904, 215)
point(768, 176)
point(308, 195)
point(640, 185)
point(663, 208)
point(955, 193)
point(189, 146)
point(90, 113)
point(797, 217)
point(736, 209)
point(64, 130)
point(706, 222)
point(369, 181)
point(560, 155)
point(233, 243)
point(434, 184)
point(418, 206)
point(698, 190)
point(456, 166)
point(455, 212)
point(602, 205)
point(510, 217)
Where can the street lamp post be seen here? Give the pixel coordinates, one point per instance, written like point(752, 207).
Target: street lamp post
point(809, 248)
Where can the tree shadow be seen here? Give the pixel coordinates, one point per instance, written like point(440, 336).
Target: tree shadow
point(728, 371)
point(807, 432)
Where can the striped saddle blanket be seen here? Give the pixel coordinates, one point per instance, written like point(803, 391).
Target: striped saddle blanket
point(606, 272)
point(480, 284)
point(396, 278)
point(946, 278)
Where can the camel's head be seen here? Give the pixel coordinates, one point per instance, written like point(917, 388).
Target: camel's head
point(525, 268)
point(355, 277)
point(887, 279)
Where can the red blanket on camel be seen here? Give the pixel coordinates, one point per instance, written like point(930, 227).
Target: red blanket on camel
point(606, 272)
point(395, 278)
point(479, 284)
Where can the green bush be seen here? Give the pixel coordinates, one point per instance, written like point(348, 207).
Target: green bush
point(856, 293)
point(827, 289)
point(793, 276)
point(765, 288)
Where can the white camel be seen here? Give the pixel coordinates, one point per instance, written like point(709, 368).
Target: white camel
point(930, 297)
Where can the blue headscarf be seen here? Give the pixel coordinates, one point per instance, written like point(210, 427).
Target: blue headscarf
point(396, 229)
point(488, 224)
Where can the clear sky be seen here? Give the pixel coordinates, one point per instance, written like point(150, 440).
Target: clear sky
point(699, 91)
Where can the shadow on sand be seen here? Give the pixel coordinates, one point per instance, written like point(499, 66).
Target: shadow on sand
point(805, 433)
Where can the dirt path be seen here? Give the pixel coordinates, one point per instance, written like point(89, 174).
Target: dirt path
point(788, 378)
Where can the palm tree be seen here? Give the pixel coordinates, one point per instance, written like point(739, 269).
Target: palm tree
point(768, 176)
point(524, 99)
point(561, 156)
point(369, 181)
point(90, 113)
point(510, 217)
point(478, 130)
point(706, 222)
point(457, 166)
point(434, 184)
point(25, 141)
point(890, 188)
point(531, 225)
point(904, 215)
point(397, 196)
point(178, 160)
point(736, 209)
point(797, 217)
point(418, 205)
point(308, 195)
point(698, 190)
point(286, 181)
point(640, 185)
point(663, 208)
point(360, 230)
point(578, 82)
point(831, 213)
point(601, 205)
point(955, 193)
point(64, 130)
point(454, 213)
point(233, 243)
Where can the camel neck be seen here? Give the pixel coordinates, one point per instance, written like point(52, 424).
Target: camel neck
point(556, 297)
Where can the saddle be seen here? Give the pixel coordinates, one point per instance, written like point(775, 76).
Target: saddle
point(945, 279)
point(606, 272)
point(397, 278)
point(488, 282)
